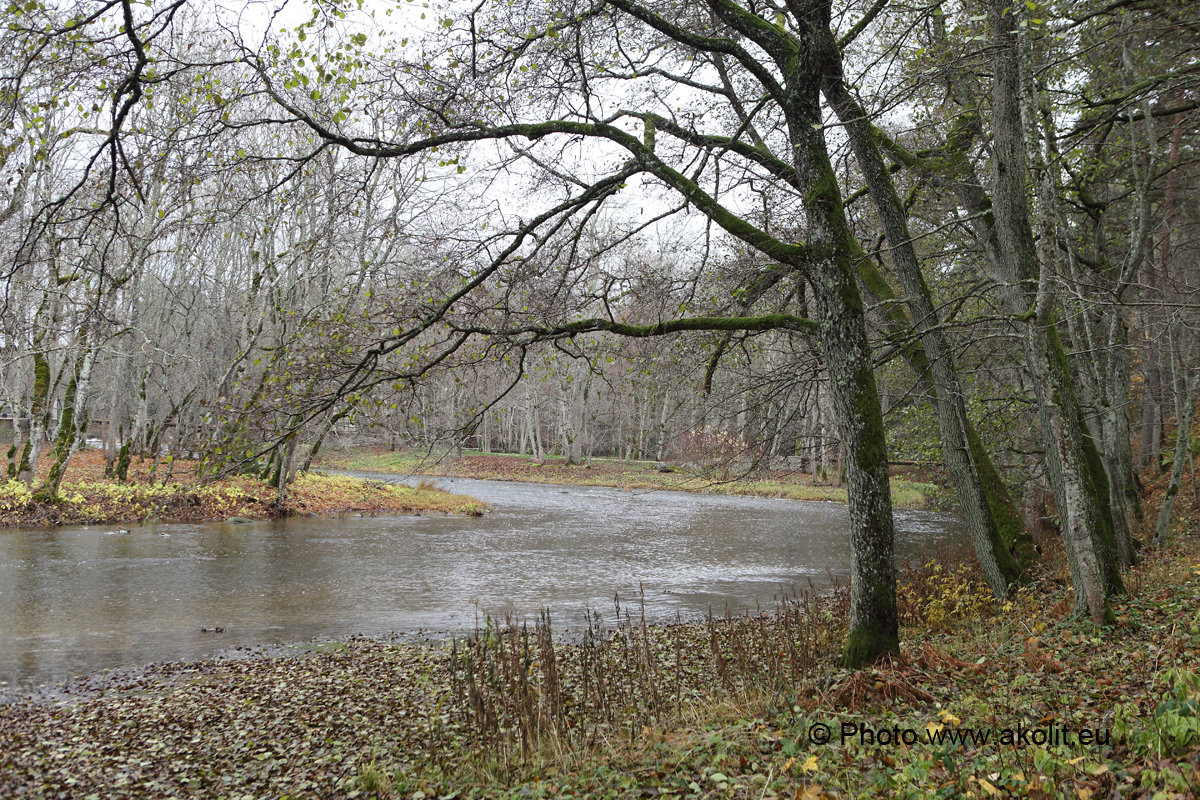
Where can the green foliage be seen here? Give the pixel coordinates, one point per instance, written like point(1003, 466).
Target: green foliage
point(913, 434)
point(1174, 727)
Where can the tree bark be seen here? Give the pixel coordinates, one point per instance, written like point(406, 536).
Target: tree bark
point(1080, 493)
point(993, 524)
point(874, 625)
point(72, 421)
point(1183, 438)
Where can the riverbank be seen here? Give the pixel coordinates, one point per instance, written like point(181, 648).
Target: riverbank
point(169, 494)
point(987, 700)
point(906, 492)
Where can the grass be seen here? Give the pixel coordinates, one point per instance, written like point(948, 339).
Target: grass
point(87, 497)
point(906, 493)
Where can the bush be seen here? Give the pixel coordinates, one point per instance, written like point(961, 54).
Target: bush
point(937, 595)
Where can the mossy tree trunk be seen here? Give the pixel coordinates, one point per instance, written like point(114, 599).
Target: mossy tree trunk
point(38, 407)
point(874, 624)
point(1071, 458)
point(138, 436)
point(285, 469)
point(1115, 436)
point(121, 469)
point(72, 423)
point(1000, 541)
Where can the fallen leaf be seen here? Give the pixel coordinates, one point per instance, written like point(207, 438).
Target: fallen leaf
point(989, 788)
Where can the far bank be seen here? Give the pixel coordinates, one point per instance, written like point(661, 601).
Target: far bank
point(908, 491)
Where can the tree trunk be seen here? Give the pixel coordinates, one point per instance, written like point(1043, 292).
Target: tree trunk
point(535, 435)
point(1114, 426)
point(1081, 494)
point(18, 453)
point(662, 428)
point(287, 469)
point(38, 408)
point(993, 524)
point(874, 627)
point(1082, 517)
point(71, 423)
point(320, 440)
point(639, 452)
point(1183, 440)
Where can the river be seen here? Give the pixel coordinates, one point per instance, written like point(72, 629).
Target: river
point(76, 600)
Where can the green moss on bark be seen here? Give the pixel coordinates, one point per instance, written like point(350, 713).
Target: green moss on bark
point(23, 465)
point(1095, 478)
point(1015, 549)
point(41, 381)
point(867, 644)
point(123, 458)
point(48, 493)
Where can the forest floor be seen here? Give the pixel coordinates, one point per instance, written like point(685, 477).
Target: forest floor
point(987, 699)
point(169, 494)
point(908, 491)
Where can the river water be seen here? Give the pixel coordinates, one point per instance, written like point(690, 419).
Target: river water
point(80, 599)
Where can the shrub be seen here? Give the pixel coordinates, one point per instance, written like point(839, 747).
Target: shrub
point(937, 595)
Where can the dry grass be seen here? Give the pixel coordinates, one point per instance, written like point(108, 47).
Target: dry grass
point(171, 494)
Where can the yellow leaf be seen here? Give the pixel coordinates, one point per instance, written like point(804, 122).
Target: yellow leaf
point(809, 765)
point(987, 787)
point(1074, 761)
point(1084, 793)
point(934, 727)
point(948, 718)
point(1099, 769)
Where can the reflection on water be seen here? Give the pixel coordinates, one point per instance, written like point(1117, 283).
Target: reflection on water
point(75, 600)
